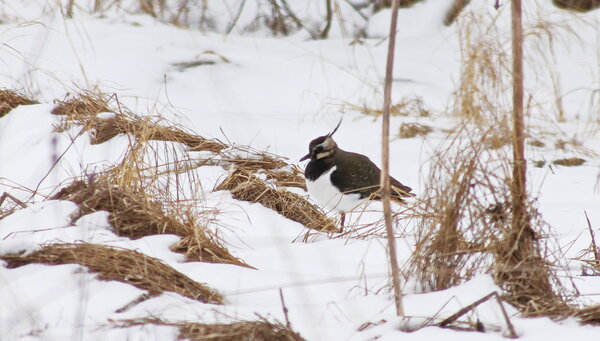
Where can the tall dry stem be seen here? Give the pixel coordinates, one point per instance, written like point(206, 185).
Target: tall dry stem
point(385, 150)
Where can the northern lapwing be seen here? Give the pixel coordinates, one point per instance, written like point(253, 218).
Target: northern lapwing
point(341, 180)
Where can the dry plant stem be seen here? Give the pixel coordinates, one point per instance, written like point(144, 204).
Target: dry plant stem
point(23, 205)
point(452, 318)
point(519, 217)
point(511, 329)
point(325, 31)
point(594, 247)
point(385, 151)
point(70, 8)
point(285, 309)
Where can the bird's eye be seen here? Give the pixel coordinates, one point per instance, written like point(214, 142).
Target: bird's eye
point(318, 149)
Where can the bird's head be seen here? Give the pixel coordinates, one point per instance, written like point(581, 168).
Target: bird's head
point(322, 147)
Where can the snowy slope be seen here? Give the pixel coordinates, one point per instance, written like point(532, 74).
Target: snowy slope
point(275, 94)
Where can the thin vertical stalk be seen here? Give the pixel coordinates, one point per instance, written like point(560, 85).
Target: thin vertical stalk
point(519, 217)
point(385, 151)
point(70, 5)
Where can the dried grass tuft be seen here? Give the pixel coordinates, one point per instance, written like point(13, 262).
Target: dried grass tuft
point(113, 264)
point(465, 228)
point(136, 171)
point(83, 105)
point(589, 315)
point(10, 99)
point(569, 162)
point(261, 330)
point(247, 186)
point(408, 106)
point(410, 130)
point(134, 214)
point(577, 5)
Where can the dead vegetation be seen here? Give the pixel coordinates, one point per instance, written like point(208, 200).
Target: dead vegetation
point(466, 220)
point(569, 162)
point(114, 264)
point(578, 5)
point(465, 228)
point(247, 186)
point(410, 130)
point(10, 99)
point(589, 315)
point(254, 164)
point(407, 106)
point(261, 330)
point(134, 213)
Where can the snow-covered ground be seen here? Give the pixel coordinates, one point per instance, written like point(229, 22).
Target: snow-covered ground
point(275, 94)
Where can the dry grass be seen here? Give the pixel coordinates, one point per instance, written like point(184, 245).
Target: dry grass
point(408, 106)
point(135, 214)
point(82, 111)
point(85, 104)
point(569, 162)
point(589, 315)
point(483, 93)
point(578, 5)
point(465, 229)
point(10, 99)
point(121, 265)
point(246, 186)
point(261, 330)
point(273, 167)
point(410, 130)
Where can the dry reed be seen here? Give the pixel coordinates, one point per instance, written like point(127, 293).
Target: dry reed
point(465, 228)
point(246, 186)
point(114, 264)
point(82, 110)
point(10, 99)
point(261, 330)
point(135, 214)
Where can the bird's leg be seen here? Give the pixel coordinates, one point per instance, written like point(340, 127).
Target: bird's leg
point(342, 218)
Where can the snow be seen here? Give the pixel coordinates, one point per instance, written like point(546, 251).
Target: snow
point(275, 94)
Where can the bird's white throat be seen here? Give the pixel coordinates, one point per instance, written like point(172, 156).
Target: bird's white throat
point(325, 193)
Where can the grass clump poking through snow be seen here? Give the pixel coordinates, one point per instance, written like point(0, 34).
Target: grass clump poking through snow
point(261, 330)
point(10, 99)
point(247, 186)
point(134, 213)
point(465, 228)
point(82, 110)
point(127, 266)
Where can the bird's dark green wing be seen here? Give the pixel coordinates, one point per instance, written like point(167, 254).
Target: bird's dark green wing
point(356, 173)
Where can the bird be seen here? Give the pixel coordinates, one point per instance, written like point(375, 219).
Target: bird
point(341, 180)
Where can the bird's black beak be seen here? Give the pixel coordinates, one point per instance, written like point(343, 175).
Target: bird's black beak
point(307, 156)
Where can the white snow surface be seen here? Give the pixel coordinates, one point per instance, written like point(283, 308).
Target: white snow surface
point(275, 94)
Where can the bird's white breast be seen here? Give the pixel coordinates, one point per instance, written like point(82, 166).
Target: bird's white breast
point(325, 193)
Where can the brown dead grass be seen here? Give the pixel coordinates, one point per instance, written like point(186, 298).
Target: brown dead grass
point(465, 229)
point(408, 106)
point(569, 162)
point(261, 330)
point(10, 99)
point(578, 5)
point(410, 130)
point(82, 111)
point(135, 214)
point(589, 315)
point(113, 264)
point(85, 104)
point(246, 186)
